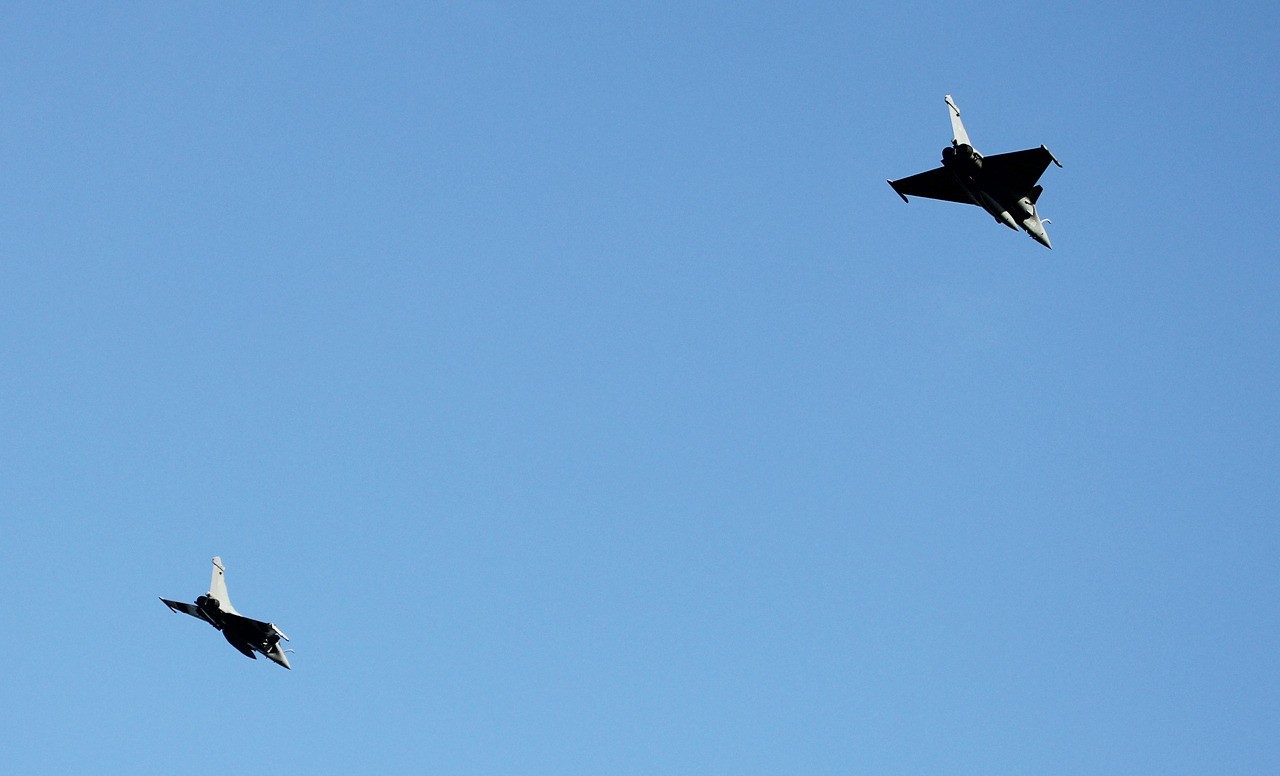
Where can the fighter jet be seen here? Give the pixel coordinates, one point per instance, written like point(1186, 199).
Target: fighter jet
point(1004, 185)
point(246, 635)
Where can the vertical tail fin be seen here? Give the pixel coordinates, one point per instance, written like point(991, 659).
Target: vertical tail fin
point(218, 586)
point(958, 135)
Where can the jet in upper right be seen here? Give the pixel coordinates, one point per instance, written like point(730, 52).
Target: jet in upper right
point(1004, 185)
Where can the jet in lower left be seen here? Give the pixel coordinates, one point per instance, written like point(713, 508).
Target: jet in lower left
point(248, 636)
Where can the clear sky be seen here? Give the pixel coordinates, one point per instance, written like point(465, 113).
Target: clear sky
point(566, 381)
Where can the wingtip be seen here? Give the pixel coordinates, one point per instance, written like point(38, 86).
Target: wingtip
point(895, 191)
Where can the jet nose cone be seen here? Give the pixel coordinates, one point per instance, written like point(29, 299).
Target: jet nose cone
point(279, 657)
point(1039, 235)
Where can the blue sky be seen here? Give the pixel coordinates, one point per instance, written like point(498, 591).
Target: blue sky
point(569, 385)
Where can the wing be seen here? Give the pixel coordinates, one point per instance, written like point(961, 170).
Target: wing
point(248, 635)
point(191, 609)
point(253, 630)
point(937, 183)
point(249, 625)
point(244, 648)
point(1018, 171)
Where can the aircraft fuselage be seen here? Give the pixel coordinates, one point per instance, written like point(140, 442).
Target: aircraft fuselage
point(965, 163)
point(247, 636)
